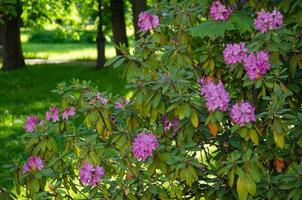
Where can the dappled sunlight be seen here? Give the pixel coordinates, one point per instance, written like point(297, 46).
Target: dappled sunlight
point(64, 51)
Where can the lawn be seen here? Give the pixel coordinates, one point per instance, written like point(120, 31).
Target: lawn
point(55, 52)
point(28, 91)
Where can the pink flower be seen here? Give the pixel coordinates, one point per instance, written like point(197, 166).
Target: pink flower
point(215, 95)
point(147, 21)
point(31, 123)
point(243, 113)
point(155, 21)
point(144, 145)
point(90, 175)
point(168, 125)
point(98, 98)
point(122, 103)
point(234, 53)
point(219, 12)
point(276, 20)
point(257, 64)
point(262, 20)
point(268, 21)
point(33, 164)
point(118, 105)
point(52, 114)
point(68, 112)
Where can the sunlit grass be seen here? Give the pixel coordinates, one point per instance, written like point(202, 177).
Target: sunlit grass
point(64, 51)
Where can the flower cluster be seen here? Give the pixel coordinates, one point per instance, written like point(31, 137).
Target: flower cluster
point(147, 21)
point(219, 12)
point(268, 21)
point(90, 175)
point(68, 112)
point(144, 145)
point(215, 95)
point(33, 164)
point(52, 114)
point(234, 53)
point(122, 103)
point(31, 123)
point(98, 98)
point(168, 125)
point(243, 113)
point(256, 64)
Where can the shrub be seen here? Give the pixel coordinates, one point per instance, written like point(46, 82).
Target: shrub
point(215, 112)
point(62, 36)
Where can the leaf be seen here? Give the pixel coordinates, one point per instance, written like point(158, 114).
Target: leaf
point(112, 60)
point(34, 186)
point(193, 173)
point(119, 62)
point(231, 176)
point(241, 188)
point(194, 119)
point(181, 111)
point(211, 29)
point(218, 115)
point(213, 129)
point(250, 185)
point(234, 128)
point(243, 132)
point(187, 110)
point(279, 139)
point(254, 136)
point(100, 126)
point(242, 21)
point(156, 100)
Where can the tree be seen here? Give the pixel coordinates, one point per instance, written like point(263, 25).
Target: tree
point(1, 42)
point(100, 39)
point(137, 7)
point(118, 23)
point(12, 50)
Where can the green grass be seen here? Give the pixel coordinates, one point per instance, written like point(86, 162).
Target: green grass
point(78, 51)
point(28, 91)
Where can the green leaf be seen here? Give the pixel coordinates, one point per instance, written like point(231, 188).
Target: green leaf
point(219, 115)
point(156, 100)
point(241, 188)
point(100, 126)
point(153, 189)
point(231, 176)
point(34, 186)
point(194, 119)
point(242, 21)
point(254, 136)
point(187, 109)
point(112, 60)
point(211, 29)
point(234, 128)
point(250, 185)
point(279, 139)
point(119, 62)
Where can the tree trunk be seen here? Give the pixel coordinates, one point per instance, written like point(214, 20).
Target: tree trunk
point(12, 49)
point(1, 42)
point(137, 7)
point(118, 23)
point(100, 38)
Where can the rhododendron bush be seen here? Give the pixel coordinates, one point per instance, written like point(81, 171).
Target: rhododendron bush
point(215, 112)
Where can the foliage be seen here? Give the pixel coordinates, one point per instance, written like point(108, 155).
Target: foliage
point(25, 91)
point(7, 9)
point(62, 36)
point(206, 154)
